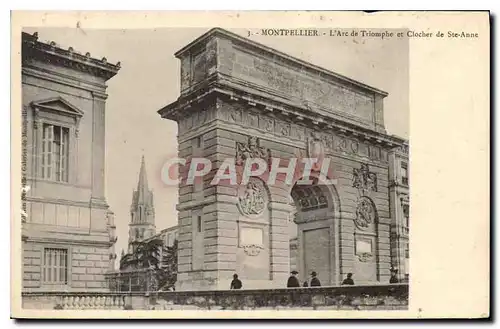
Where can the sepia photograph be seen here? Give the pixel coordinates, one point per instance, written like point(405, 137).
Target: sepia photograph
point(215, 169)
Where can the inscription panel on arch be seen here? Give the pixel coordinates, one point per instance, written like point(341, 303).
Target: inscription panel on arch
point(314, 90)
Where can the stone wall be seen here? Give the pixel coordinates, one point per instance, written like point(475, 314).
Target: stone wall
point(261, 68)
point(87, 266)
point(235, 95)
point(379, 297)
point(220, 130)
point(69, 214)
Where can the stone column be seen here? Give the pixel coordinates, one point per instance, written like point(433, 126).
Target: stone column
point(346, 243)
point(384, 249)
point(98, 203)
point(279, 243)
point(98, 147)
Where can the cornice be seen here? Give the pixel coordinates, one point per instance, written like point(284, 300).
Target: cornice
point(60, 78)
point(50, 53)
point(51, 240)
point(85, 204)
point(303, 113)
point(276, 56)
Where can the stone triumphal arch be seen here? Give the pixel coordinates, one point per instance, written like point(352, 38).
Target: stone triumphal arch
point(240, 100)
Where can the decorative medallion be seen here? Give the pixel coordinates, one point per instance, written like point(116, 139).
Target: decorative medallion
point(364, 180)
point(268, 124)
point(354, 146)
point(342, 144)
point(252, 200)
point(251, 149)
point(365, 213)
point(252, 249)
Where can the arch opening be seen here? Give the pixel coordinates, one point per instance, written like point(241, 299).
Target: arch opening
point(315, 246)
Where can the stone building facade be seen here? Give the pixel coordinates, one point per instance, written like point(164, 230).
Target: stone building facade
point(400, 209)
point(168, 235)
point(68, 231)
point(240, 99)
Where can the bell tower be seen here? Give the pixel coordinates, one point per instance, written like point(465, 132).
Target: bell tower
point(142, 211)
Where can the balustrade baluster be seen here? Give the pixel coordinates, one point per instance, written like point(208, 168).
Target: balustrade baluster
point(66, 302)
point(98, 304)
point(106, 302)
point(122, 302)
point(59, 301)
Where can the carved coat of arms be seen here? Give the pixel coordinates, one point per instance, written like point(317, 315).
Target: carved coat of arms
point(365, 213)
point(364, 180)
point(251, 149)
point(252, 201)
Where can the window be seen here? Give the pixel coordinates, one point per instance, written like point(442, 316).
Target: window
point(407, 215)
point(198, 141)
point(55, 149)
point(199, 224)
point(404, 173)
point(55, 266)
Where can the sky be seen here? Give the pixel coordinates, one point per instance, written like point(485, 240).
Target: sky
point(149, 79)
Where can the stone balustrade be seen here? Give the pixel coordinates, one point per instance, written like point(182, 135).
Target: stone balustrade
point(383, 297)
point(74, 300)
point(359, 297)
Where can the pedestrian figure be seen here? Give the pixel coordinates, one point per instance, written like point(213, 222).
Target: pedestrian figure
point(314, 280)
point(306, 284)
point(293, 282)
point(348, 280)
point(236, 283)
point(394, 278)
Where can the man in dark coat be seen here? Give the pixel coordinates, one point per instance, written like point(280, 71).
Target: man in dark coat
point(348, 280)
point(394, 278)
point(314, 280)
point(236, 283)
point(293, 282)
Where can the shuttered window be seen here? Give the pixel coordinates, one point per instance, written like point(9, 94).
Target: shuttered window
point(55, 266)
point(55, 153)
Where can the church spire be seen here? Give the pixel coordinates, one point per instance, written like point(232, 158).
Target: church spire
point(142, 185)
point(142, 211)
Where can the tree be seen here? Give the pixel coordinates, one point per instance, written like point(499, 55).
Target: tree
point(168, 266)
point(145, 254)
point(152, 254)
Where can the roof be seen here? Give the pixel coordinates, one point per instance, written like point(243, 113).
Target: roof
point(51, 53)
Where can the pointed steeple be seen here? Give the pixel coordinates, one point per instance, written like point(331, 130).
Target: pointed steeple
point(142, 211)
point(143, 192)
